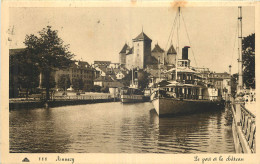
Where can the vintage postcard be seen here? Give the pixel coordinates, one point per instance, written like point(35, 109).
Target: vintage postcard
point(129, 82)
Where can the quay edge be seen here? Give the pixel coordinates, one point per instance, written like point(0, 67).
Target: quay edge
point(55, 103)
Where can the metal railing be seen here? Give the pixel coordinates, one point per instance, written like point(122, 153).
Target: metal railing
point(83, 97)
point(248, 127)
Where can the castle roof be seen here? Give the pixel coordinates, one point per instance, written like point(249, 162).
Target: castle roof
point(171, 50)
point(157, 48)
point(131, 50)
point(142, 36)
point(125, 47)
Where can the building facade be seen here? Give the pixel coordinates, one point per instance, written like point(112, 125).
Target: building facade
point(78, 70)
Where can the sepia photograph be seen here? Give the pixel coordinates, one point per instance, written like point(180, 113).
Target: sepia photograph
point(131, 80)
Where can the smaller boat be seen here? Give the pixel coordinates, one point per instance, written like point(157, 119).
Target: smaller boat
point(131, 95)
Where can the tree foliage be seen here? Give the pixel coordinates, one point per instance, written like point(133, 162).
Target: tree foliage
point(96, 88)
point(234, 79)
point(64, 82)
point(248, 47)
point(77, 84)
point(23, 74)
point(143, 79)
point(105, 89)
point(50, 53)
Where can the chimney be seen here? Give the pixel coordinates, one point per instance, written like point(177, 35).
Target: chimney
point(185, 51)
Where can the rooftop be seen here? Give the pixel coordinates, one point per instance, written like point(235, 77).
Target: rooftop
point(99, 62)
point(157, 48)
point(171, 50)
point(125, 47)
point(131, 50)
point(142, 36)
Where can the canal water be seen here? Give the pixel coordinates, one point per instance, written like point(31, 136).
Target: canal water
point(117, 128)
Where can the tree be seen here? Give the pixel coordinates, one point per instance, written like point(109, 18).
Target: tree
point(64, 82)
point(143, 79)
point(105, 89)
point(234, 79)
point(248, 51)
point(50, 53)
point(77, 84)
point(96, 88)
point(23, 73)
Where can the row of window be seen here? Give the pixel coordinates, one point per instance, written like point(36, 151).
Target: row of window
point(183, 77)
point(77, 75)
point(184, 64)
point(80, 71)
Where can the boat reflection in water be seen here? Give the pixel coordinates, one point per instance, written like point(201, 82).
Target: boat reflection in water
point(195, 133)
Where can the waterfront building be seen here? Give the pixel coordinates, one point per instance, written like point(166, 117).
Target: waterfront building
point(202, 74)
point(108, 82)
point(77, 70)
point(221, 81)
point(101, 63)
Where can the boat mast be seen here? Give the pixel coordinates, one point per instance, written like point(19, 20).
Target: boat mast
point(133, 76)
point(159, 68)
point(177, 47)
point(240, 66)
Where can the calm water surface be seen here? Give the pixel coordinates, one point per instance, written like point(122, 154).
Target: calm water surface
point(117, 128)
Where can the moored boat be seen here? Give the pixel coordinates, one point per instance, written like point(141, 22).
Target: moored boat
point(183, 100)
point(186, 92)
point(131, 95)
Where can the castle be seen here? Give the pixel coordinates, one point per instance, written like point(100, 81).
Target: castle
point(141, 56)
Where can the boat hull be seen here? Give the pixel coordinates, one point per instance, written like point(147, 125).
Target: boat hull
point(170, 106)
point(132, 98)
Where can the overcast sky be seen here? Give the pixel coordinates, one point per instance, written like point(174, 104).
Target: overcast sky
point(99, 33)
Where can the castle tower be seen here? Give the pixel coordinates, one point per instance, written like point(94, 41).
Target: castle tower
point(158, 53)
point(142, 50)
point(171, 56)
point(122, 54)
